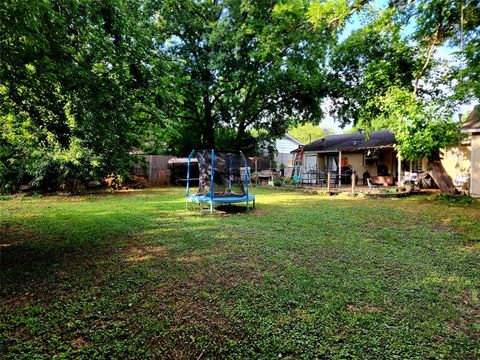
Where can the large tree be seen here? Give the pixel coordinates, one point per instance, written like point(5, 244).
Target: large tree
point(386, 78)
point(248, 64)
point(72, 77)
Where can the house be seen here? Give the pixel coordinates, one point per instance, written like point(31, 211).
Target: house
point(462, 162)
point(368, 155)
point(472, 128)
point(284, 147)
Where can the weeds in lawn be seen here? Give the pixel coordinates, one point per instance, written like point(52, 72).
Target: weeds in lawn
point(456, 199)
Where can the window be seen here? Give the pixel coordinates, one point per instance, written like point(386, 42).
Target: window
point(332, 163)
point(416, 166)
point(370, 158)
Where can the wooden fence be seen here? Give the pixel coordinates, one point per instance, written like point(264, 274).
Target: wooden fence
point(157, 170)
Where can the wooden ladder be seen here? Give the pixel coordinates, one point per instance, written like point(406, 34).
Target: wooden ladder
point(297, 164)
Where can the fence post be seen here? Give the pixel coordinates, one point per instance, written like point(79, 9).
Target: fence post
point(354, 182)
point(329, 178)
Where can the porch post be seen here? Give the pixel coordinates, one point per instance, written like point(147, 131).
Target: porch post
point(354, 182)
point(339, 168)
point(399, 168)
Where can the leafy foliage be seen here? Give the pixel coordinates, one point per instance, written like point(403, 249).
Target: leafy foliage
point(246, 65)
point(309, 132)
point(447, 23)
point(85, 85)
point(421, 129)
point(383, 80)
point(72, 77)
point(365, 66)
point(456, 200)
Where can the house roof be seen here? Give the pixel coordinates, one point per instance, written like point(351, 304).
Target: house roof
point(472, 124)
point(291, 138)
point(352, 142)
point(182, 160)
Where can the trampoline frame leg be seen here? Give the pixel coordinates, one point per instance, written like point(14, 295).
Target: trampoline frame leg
point(211, 207)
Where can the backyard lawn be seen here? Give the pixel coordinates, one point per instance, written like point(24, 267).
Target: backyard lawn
point(135, 275)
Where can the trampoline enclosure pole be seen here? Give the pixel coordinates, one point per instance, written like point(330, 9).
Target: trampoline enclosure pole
point(188, 177)
point(230, 173)
point(246, 175)
point(212, 187)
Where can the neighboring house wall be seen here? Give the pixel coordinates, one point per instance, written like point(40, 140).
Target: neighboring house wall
point(463, 163)
point(471, 126)
point(456, 161)
point(475, 158)
point(284, 148)
point(355, 160)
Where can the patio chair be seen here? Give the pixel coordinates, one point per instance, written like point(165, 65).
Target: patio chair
point(372, 185)
point(321, 179)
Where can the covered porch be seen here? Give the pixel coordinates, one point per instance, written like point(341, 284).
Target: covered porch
point(382, 165)
point(338, 157)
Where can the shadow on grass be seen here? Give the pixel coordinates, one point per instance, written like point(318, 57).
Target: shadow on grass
point(146, 275)
point(45, 256)
point(231, 209)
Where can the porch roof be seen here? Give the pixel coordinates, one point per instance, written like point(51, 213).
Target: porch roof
point(352, 142)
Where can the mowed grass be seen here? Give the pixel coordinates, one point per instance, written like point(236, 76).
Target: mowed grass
point(135, 275)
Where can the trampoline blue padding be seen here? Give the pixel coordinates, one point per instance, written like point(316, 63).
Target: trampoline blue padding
point(221, 199)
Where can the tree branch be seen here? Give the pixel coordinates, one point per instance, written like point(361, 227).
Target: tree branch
point(432, 46)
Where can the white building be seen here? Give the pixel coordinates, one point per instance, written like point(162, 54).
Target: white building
point(284, 147)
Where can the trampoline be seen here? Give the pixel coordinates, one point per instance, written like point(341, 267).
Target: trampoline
point(223, 179)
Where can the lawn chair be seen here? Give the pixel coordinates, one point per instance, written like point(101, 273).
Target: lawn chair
point(372, 185)
point(322, 179)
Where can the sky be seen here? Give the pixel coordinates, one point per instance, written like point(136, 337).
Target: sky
point(355, 23)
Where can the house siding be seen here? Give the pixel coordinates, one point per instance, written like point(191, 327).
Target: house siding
point(475, 159)
point(355, 160)
point(457, 160)
point(284, 148)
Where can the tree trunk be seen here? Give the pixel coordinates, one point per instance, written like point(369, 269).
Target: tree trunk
point(209, 128)
point(443, 180)
point(242, 141)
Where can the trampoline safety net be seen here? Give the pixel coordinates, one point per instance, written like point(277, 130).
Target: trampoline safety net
point(223, 178)
point(228, 177)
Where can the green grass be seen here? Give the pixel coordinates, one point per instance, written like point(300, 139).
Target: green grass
point(134, 275)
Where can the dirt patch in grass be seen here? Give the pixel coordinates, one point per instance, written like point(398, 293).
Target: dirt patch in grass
point(196, 315)
point(471, 247)
point(145, 253)
point(364, 307)
point(79, 342)
point(14, 233)
point(189, 259)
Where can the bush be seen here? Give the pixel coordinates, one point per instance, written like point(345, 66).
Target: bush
point(455, 199)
